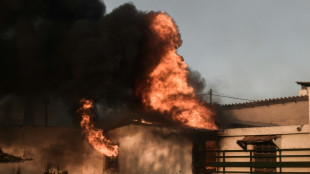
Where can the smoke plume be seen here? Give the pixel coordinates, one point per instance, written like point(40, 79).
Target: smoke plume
point(72, 49)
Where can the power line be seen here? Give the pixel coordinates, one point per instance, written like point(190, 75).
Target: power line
point(226, 96)
point(233, 97)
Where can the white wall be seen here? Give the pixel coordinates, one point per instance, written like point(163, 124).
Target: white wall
point(290, 138)
point(293, 113)
point(152, 150)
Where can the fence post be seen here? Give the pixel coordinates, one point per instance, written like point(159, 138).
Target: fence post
point(218, 154)
point(224, 162)
point(251, 162)
point(280, 160)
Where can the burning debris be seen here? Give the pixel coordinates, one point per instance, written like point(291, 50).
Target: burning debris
point(7, 158)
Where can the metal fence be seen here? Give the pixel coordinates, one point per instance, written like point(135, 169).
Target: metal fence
point(227, 160)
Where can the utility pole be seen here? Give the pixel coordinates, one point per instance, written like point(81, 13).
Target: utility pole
point(210, 96)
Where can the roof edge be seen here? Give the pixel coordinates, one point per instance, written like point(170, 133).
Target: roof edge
point(265, 102)
point(303, 83)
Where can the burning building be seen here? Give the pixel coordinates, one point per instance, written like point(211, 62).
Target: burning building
point(145, 148)
point(149, 147)
point(61, 58)
point(73, 79)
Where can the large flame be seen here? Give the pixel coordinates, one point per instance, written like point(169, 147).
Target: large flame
point(95, 136)
point(168, 89)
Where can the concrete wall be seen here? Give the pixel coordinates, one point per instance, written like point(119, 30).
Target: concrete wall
point(142, 149)
point(58, 146)
point(290, 138)
point(152, 150)
point(14, 110)
point(293, 113)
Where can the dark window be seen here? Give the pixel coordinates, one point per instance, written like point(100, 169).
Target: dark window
point(211, 146)
point(265, 152)
point(204, 154)
point(112, 163)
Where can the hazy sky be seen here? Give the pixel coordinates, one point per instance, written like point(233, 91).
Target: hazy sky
point(254, 49)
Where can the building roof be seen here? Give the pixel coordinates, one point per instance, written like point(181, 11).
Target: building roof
point(265, 102)
point(182, 128)
point(163, 130)
point(256, 139)
point(7, 158)
point(303, 83)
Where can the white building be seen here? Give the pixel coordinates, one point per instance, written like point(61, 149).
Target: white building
point(274, 136)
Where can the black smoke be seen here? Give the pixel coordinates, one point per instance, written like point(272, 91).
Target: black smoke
point(67, 45)
point(72, 49)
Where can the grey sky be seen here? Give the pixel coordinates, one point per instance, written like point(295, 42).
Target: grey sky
point(253, 49)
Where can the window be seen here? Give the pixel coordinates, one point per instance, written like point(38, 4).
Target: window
point(203, 154)
point(211, 147)
point(265, 152)
point(112, 163)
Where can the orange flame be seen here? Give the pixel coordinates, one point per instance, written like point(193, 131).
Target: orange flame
point(169, 90)
point(95, 136)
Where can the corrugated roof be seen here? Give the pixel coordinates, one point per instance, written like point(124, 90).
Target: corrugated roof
point(264, 102)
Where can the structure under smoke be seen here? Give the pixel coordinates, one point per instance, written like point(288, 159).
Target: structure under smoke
point(72, 50)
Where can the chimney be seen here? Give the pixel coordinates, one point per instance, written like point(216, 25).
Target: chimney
point(304, 88)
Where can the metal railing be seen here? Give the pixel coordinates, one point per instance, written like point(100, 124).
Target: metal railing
point(226, 160)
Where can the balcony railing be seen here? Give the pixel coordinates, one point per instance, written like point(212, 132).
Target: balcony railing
point(229, 160)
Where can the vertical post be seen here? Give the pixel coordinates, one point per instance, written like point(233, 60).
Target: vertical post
point(280, 160)
point(218, 154)
point(210, 96)
point(308, 89)
point(251, 169)
point(224, 162)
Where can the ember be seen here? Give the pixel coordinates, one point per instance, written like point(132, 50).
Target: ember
point(95, 136)
point(168, 90)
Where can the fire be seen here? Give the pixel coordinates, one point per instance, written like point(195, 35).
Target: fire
point(168, 89)
point(95, 136)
